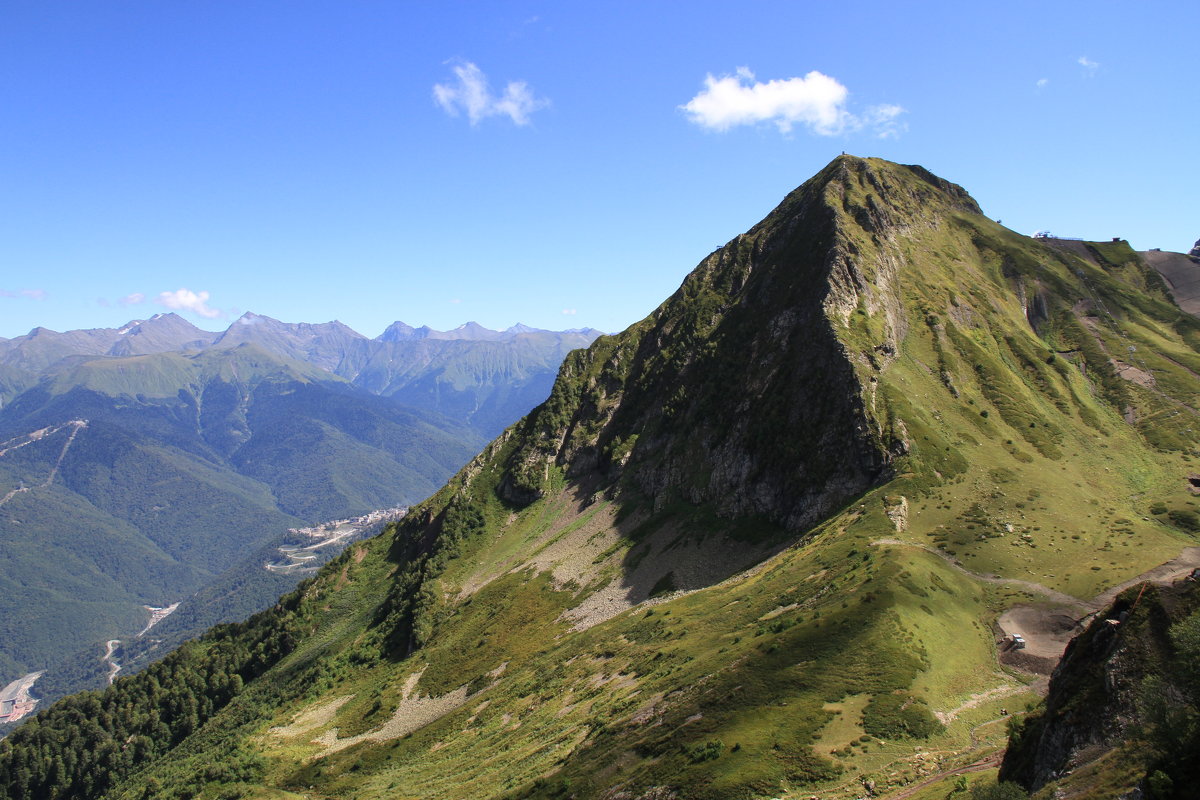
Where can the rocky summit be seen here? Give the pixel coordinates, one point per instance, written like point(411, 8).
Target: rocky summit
point(818, 526)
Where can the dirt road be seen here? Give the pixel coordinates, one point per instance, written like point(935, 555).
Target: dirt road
point(991, 762)
point(1052, 594)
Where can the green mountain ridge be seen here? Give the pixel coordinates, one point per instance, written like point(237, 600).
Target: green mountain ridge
point(164, 375)
point(754, 546)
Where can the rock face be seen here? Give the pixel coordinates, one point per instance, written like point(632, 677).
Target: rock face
point(1195, 251)
point(737, 390)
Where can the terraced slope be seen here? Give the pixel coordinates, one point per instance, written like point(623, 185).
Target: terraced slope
point(754, 546)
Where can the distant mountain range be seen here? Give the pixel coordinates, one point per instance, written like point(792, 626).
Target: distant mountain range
point(139, 464)
point(481, 377)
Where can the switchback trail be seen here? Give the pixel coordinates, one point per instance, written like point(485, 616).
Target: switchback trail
point(1039, 687)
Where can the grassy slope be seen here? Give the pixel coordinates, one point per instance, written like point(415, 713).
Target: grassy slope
point(724, 692)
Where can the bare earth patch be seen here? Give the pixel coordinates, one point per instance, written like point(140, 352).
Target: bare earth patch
point(414, 712)
point(313, 718)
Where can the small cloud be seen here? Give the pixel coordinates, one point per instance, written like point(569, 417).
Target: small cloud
point(1043, 83)
point(570, 312)
point(132, 299)
point(455, 301)
point(187, 300)
point(472, 93)
point(883, 119)
point(1089, 66)
point(816, 101)
point(28, 294)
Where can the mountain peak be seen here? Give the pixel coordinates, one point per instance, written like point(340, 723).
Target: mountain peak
point(250, 318)
point(159, 334)
point(878, 184)
point(402, 332)
point(129, 326)
point(521, 328)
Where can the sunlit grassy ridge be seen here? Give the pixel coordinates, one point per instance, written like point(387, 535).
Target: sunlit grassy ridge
point(717, 562)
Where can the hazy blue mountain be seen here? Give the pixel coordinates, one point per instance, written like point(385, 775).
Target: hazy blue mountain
point(329, 345)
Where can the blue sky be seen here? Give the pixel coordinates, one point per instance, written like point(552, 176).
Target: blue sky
point(298, 159)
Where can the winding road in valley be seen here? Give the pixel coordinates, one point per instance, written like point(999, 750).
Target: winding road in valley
point(113, 666)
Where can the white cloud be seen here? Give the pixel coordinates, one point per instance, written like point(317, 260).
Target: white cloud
point(456, 300)
point(472, 94)
point(816, 101)
point(1042, 83)
point(187, 300)
point(570, 312)
point(34, 294)
point(1088, 65)
point(133, 299)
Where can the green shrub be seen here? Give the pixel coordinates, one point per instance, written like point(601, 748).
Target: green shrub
point(899, 715)
point(997, 791)
point(708, 751)
point(1184, 519)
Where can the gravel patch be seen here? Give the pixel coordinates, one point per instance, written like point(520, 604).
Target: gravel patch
point(414, 712)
